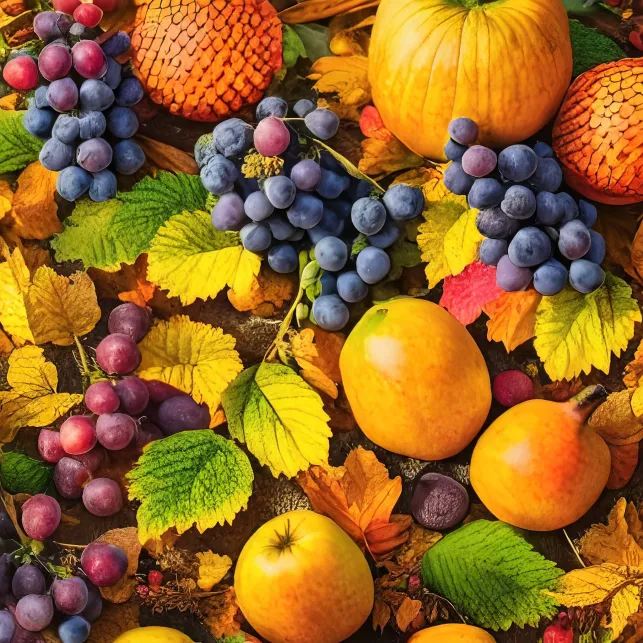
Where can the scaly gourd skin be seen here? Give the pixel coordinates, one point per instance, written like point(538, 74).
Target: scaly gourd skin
point(415, 379)
point(539, 466)
point(598, 134)
point(504, 64)
point(206, 59)
point(452, 633)
point(292, 569)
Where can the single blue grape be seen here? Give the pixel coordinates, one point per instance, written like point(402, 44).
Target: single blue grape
point(512, 278)
point(485, 193)
point(94, 155)
point(332, 222)
point(549, 209)
point(257, 206)
point(519, 202)
point(322, 123)
point(255, 237)
point(358, 189)
point(550, 278)
point(233, 137)
point(492, 250)
point(495, 224)
point(574, 240)
point(328, 283)
point(280, 227)
point(517, 162)
point(368, 216)
point(218, 174)
point(548, 175)
point(403, 202)
point(306, 211)
point(116, 45)
point(597, 249)
point(66, 129)
point(39, 99)
point(456, 180)
point(341, 207)
point(529, 247)
point(228, 213)
point(204, 150)
point(128, 157)
point(91, 125)
point(245, 187)
point(570, 208)
point(55, 155)
point(129, 92)
point(351, 287)
point(586, 276)
point(454, 151)
point(306, 174)
point(373, 264)
point(588, 213)
point(543, 150)
point(39, 122)
point(280, 190)
point(73, 182)
point(297, 234)
point(283, 258)
point(114, 74)
point(303, 107)
point(386, 237)
point(122, 122)
point(330, 312)
point(331, 184)
point(463, 130)
point(74, 629)
point(331, 254)
point(272, 106)
point(7, 626)
point(95, 96)
point(103, 186)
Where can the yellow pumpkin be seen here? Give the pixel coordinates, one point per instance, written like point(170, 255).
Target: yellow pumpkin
point(506, 64)
point(153, 634)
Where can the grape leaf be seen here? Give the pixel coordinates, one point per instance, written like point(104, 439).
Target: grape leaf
point(190, 477)
point(21, 474)
point(279, 417)
point(292, 46)
point(14, 282)
point(192, 260)
point(150, 204)
point(87, 235)
point(448, 238)
point(575, 332)
point(492, 575)
point(196, 358)
point(32, 399)
point(18, 148)
point(512, 317)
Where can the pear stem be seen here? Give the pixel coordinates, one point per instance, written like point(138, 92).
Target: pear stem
point(588, 399)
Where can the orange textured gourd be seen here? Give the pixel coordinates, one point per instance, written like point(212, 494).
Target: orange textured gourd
point(205, 59)
point(415, 379)
point(505, 64)
point(539, 466)
point(598, 134)
point(452, 633)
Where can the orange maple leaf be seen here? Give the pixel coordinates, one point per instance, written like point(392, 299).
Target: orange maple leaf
point(359, 497)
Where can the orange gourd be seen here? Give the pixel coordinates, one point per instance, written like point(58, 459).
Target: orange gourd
point(598, 134)
point(506, 64)
point(539, 466)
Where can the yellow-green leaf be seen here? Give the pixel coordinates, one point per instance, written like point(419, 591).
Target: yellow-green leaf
point(575, 332)
point(279, 417)
point(196, 358)
point(32, 400)
point(448, 238)
point(190, 259)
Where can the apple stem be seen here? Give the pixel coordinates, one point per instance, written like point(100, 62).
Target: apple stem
point(587, 400)
point(285, 540)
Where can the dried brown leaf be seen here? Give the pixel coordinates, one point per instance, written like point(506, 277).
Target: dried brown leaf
point(634, 370)
point(127, 540)
point(221, 614)
point(615, 420)
point(562, 390)
point(157, 546)
point(268, 287)
point(381, 615)
point(407, 613)
point(314, 10)
point(420, 541)
point(380, 158)
point(35, 257)
point(625, 459)
point(618, 228)
point(6, 346)
point(166, 157)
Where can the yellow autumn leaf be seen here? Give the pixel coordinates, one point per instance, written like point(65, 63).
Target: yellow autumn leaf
point(305, 351)
point(269, 291)
point(345, 76)
point(615, 421)
point(624, 603)
point(384, 157)
point(512, 317)
point(428, 179)
point(33, 399)
point(196, 358)
point(192, 260)
point(212, 568)
point(448, 238)
point(349, 33)
point(35, 213)
point(6, 199)
point(575, 332)
point(61, 308)
point(14, 283)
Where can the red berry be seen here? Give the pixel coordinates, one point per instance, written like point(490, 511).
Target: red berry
point(142, 590)
point(155, 578)
point(559, 632)
point(89, 15)
point(66, 6)
point(512, 387)
point(21, 73)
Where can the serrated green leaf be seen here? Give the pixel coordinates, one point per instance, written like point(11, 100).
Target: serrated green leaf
point(591, 48)
point(18, 148)
point(192, 260)
point(403, 254)
point(150, 204)
point(292, 47)
point(492, 575)
point(22, 474)
point(575, 332)
point(279, 417)
point(87, 235)
point(190, 477)
point(359, 244)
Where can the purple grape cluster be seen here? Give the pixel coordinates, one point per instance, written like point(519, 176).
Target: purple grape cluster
point(83, 108)
point(311, 201)
point(533, 232)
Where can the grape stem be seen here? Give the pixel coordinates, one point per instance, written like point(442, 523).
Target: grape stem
point(85, 372)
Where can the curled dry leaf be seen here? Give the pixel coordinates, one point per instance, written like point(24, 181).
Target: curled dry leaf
point(35, 257)
point(314, 10)
point(166, 157)
point(6, 346)
point(343, 76)
point(616, 422)
point(625, 459)
point(562, 390)
point(6, 199)
point(127, 540)
point(634, 370)
point(407, 613)
point(155, 547)
point(221, 614)
point(359, 496)
point(380, 158)
point(267, 293)
point(350, 33)
point(618, 228)
point(212, 569)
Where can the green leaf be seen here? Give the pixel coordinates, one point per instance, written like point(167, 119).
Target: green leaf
point(352, 169)
point(87, 235)
point(591, 48)
point(314, 38)
point(21, 474)
point(359, 244)
point(292, 47)
point(492, 575)
point(18, 148)
point(279, 417)
point(150, 204)
point(190, 477)
point(403, 254)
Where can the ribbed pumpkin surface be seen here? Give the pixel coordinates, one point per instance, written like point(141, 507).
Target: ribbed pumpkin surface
point(204, 59)
point(598, 135)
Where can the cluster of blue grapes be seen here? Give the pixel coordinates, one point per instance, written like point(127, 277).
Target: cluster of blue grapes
point(533, 232)
point(83, 112)
point(311, 201)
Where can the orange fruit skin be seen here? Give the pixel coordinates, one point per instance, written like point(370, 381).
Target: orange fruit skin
point(452, 633)
point(539, 466)
point(319, 589)
point(415, 379)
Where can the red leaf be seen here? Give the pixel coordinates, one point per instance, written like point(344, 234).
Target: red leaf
point(372, 125)
point(465, 294)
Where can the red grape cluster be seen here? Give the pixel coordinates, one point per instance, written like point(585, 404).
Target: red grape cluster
point(32, 597)
point(83, 99)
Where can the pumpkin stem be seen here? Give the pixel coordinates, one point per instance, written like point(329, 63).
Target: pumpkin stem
point(473, 4)
point(587, 400)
